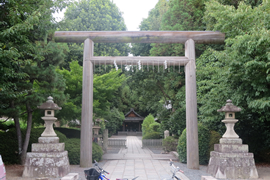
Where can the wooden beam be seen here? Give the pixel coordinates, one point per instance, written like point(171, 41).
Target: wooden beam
point(87, 106)
point(200, 37)
point(133, 60)
point(191, 107)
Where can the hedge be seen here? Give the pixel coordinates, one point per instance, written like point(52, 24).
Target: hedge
point(206, 141)
point(152, 135)
point(73, 148)
point(9, 143)
point(70, 133)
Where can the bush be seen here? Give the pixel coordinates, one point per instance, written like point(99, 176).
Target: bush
point(73, 148)
point(182, 147)
point(204, 137)
point(9, 147)
point(169, 144)
point(70, 133)
point(9, 143)
point(154, 127)
point(152, 135)
point(96, 152)
point(146, 124)
point(214, 139)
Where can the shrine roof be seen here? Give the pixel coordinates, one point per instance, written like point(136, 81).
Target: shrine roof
point(133, 116)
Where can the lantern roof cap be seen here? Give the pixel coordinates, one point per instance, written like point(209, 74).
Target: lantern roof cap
point(229, 107)
point(49, 105)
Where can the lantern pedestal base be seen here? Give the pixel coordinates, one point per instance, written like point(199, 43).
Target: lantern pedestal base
point(231, 160)
point(47, 159)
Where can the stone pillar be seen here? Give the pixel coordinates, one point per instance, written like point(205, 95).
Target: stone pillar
point(87, 105)
point(105, 140)
point(191, 107)
point(166, 134)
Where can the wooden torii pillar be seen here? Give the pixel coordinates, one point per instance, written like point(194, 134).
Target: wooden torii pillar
point(189, 38)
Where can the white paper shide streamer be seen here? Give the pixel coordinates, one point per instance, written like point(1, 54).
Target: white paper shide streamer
point(115, 65)
point(139, 65)
point(165, 64)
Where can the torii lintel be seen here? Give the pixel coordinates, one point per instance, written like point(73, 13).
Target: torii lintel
point(199, 37)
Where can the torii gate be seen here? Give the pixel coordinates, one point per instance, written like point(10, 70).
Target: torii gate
point(189, 38)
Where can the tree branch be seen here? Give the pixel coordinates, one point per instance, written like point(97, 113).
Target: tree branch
point(165, 95)
point(5, 120)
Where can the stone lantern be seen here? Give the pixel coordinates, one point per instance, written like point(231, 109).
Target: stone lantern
point(231, 159)
point(229, 120)
point(48, 157)
point(49, 106)
point(96, 126)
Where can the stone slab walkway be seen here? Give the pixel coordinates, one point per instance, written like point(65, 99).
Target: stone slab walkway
point(135, 161)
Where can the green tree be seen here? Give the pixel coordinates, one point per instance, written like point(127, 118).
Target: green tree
point(185, 15)
point(241, 71)
point(94, 15)
point(153, 23)
point(169, 86)
point(104, 90)
point(28, 61)
point(114, 120)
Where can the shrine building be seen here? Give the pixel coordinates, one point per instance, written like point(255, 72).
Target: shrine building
point(133, 122)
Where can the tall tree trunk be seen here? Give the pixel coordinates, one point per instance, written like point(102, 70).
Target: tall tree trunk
point(19, 134)
point(28, 131)
point(18, 131)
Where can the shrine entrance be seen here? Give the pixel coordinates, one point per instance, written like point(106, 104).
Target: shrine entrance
point(189, 38)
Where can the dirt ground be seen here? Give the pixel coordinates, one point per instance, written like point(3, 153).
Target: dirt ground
point(14, 172)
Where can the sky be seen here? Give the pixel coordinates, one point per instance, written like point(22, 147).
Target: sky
point(133, 11)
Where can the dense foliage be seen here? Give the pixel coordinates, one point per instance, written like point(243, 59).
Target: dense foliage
point(206, 141)
point(240, 72)
point(28, 59)
point(94, 15)
point(152, 135)
point(73, 148)
point(69, 132)
point(104, 87)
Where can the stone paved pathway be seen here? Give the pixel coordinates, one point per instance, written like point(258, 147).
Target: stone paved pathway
point(135, 161)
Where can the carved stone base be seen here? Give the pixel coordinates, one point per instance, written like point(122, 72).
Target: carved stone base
point(47, 160)
point(232, 161)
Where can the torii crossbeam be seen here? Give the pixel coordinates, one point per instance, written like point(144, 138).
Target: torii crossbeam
point(189, 38)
